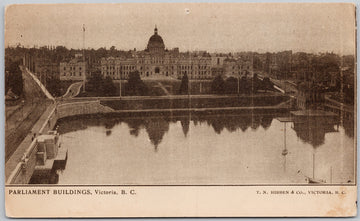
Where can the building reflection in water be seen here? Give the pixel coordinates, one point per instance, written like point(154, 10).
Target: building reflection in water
point(348, 124)
point(308, 129)
point(312, 130)
point(157, 127)
point(185, 124)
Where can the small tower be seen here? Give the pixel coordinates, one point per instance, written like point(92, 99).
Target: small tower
point(155, 30)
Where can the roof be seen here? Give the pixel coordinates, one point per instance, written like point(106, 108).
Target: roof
point(155, 38)
point(155, 41)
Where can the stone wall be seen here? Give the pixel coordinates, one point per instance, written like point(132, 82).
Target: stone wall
point(26, 167)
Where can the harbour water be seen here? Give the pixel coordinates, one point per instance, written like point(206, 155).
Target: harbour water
point(204, 150)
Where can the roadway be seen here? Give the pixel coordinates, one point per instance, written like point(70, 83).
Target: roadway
point(129, 98)
point(73, 90)
point(284, 86)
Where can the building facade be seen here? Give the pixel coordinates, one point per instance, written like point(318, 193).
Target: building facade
point(237, 68)
point(45, 68)
point(158, 62)
point(310, 95)
point(74, 70)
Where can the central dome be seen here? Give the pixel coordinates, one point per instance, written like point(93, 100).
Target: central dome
point(156, 43)
point(155, 39)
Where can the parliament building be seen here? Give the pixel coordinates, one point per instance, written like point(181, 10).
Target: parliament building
point(158, 62)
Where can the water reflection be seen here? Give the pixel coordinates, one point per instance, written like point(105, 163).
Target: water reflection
point(185, 124)
point(205, 149)
point(312, 130)
point(348, 125)
point(157, 127)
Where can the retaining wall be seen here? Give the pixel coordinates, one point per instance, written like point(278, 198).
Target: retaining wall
point(25, 168)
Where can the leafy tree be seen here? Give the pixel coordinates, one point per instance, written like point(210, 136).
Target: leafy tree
point(112, 51)
point(102, 87)
point(267, 62)
point(135, 85)
point(257, 63)
point(255, 83)
point(244, 86)
point(95, 82)
point(184, 87)
point(266, 84)
point(218, 85)
point(53, 84)
point(231, 85)
point(14, 80)
point(108, 87)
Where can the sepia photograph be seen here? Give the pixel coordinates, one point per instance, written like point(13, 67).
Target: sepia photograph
point(180, 95)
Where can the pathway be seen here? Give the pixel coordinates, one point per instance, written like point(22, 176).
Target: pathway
point(22, 119)
point(73, 90)
point(163, 88)
point(15, 158)
point(43, 88)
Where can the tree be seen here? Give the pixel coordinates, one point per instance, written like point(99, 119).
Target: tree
point(255, 83)
point(112, 51)
point(53, 84)
point(102, 87)
point(266, 84)
point(184, 87)
point(244, 86)
point(257, 63)
point(108, 87)
point(218, 85)
point(95, 82)
point(135, 85)
point(14, 77)
point(231, 85)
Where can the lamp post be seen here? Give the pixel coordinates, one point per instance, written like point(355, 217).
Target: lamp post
point(120, 87)
point(22, 109)
point(83, 58)
point(238, 84)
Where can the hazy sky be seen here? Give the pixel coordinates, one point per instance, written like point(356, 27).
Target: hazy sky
point(213, 27)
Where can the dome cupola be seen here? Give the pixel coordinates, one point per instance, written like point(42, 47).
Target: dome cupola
point(156, 43)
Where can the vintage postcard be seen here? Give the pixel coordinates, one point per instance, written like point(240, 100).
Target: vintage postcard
point(180, 110)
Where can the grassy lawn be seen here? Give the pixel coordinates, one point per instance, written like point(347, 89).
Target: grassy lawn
point(185, 102)
point(64, 85)
point(164, 87)
point(172, 86)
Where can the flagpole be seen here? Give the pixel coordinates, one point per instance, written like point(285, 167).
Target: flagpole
point(84, 57)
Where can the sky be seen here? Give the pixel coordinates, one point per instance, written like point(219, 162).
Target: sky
point(214, 27)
